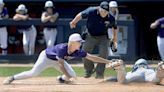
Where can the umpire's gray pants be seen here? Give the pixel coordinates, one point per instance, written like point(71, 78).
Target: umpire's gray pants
point(91, 42)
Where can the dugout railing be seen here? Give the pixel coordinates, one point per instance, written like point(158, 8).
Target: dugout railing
point(64, 31)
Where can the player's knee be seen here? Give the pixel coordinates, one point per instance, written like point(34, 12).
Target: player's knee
point(25, 44)
point(33, 73)
point(4, 46)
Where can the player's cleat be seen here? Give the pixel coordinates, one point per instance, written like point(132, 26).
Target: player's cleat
point(99, 77)
point(8, 80)
point(88, 75)
point(60, 79)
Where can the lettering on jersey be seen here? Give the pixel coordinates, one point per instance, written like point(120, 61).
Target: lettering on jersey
point(107, 23)
point(65, 57)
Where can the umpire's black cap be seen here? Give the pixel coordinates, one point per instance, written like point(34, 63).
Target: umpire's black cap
point(104, 5)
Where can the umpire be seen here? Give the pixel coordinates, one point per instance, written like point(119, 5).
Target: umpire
point(98, 21)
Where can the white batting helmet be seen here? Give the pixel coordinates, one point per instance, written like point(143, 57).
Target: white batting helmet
point(141, 61)
point(1, 2)
point(21, 7)
point(49, 4)
point(113, 4)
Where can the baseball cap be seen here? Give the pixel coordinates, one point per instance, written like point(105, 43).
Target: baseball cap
point(21, 7)
point(113, 4)
point(75, 37)
point(104, 5)
point(49, 4)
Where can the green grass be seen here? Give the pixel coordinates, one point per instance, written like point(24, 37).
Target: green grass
point(8, 71)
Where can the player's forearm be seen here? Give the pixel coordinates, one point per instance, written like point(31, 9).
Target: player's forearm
point(114, 35)
point(45, 19)
point(77, 19)
point(16, 18)
point(97, 59)
point(54, 17)
point(153, 26)
point(63, 69)
point(20, 17)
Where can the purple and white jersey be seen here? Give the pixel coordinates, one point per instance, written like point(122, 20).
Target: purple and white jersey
point(60, 51)
point(161, 27)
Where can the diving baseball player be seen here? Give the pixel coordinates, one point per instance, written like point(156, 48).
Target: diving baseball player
point(3, 29)
point(159, 23)
point(113, 10)
point(56, 57)
point(141, 72)
point(29, 31)
point(50, 15)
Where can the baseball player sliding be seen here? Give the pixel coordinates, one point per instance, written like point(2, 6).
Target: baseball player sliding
point(56, 57)
point(3, 30)
point(50, 15)
point(159, 23)
point(141, 72)
point(29, 31)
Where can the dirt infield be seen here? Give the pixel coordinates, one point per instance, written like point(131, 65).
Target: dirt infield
point(49, 84)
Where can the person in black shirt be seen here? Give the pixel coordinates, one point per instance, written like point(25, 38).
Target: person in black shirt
point(98, 21)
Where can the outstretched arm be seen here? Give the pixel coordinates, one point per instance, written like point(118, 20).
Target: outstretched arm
point(54, 17)
point(45, 18)
point(97, 59)
point(154, 24)
point(79, 16)
point(18, 17)
point(75, 20)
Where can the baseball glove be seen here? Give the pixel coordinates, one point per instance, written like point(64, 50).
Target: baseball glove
point(113, 47)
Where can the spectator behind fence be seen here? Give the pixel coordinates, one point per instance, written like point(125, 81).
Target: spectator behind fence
point(29, 31)
point(3, 29)
point(113, 10)
point(49, 15)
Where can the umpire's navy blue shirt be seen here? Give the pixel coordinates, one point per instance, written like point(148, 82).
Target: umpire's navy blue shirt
point(97, 25)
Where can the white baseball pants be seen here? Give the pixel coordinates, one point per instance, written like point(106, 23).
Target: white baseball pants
point(3, 37)
point(29, 37)
point(41, 64)
point(50, 36)
point(160, 43)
